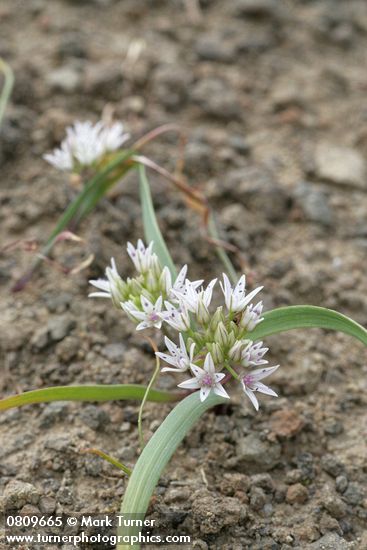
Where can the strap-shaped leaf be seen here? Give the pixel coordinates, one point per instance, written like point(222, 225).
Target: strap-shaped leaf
point(292, 317)
point(87, 393)
point(7, 87)
point(156, 455)
point(151, 227)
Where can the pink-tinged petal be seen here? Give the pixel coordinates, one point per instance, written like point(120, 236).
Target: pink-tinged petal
point(167, 358)
point(143, 326)
point(147, 305)
point(219, 390)
point(208, 364)
point(190, 384)
point(262, 388)
point(171, 346)
point(198, 371)
point(139, 315)
point(259, 374)
point(204, 392)
point(250, 394)
point(180, 279)
point(240, 287)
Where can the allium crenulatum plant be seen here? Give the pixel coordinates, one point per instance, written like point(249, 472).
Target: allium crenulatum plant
point(210, 346)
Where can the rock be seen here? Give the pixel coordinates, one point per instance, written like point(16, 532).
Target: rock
point(330, 541)
point(257, 498)
point(103, 79)
point(256, 8)
point(213, 47)
point(334, 505)
point(296, 494)
point(211, 514)
point(341, 484)
point(333, 427)
point(171, 84)
point(354, 494)
point(286, 423)
point(314, 204)
point(265, 481)
point(47, 505)
point(114, 352)
point(72, 44)
point(198, 158)
point(19, 493)
point(340, 165)
point(40, 338)
point(217, 99)
point(59, 327)
point(259, 191)
point(94, 417)
point(52, 413)
point(332, 465)
point(66, 79)
point(254, 455)
point(232, 483)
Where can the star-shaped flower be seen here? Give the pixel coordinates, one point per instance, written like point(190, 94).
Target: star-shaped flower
point(251, 384)
point(177, 317)
point(253, 355)
point(206, 379)
point(112, 287)
point(179, 357)
point(142, 257)
point(149, 317)
point(236, 298)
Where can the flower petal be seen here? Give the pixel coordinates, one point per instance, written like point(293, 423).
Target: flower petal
point(219, 390)
point(250, 394)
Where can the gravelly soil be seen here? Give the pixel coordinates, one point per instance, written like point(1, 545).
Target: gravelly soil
point(272, 98)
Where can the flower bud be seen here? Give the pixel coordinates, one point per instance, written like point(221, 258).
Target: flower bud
point(221, 335)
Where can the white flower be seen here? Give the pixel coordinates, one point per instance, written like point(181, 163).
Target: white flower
point(251, 384)
point(206, 379)
point(62, 158)
point(110, 288)
point(86, 143)
point(113, 136)
point(149, 317)
point(179, 357)
point(180, 282)
point(144, 259)
point(253, 355)
point(194, 299)
point(235, 298)
point(252, 316)
point(178, 318)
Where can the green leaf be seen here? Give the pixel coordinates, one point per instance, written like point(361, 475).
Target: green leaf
point(87, 393)
point(110, 459)
point(151, 227)
point(293, 317)
point(156, 455)
point(7, 87)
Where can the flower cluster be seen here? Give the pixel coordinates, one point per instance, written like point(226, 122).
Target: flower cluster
point(214, 346)
point(86, 144)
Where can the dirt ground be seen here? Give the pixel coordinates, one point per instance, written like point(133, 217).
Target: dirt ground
point(272, 97)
